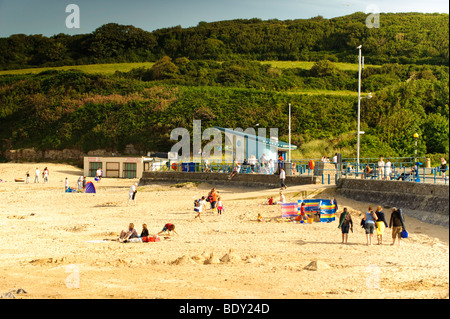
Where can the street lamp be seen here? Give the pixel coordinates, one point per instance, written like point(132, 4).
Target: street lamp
point(369, 96)
point(416, 136)
point(289, 133)
point(416, 164)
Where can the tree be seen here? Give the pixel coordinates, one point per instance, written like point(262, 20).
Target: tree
point(164, 69)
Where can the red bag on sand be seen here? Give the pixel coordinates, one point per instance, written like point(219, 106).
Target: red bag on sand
point(150, 239)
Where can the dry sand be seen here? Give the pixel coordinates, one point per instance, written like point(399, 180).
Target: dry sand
point(59, 245)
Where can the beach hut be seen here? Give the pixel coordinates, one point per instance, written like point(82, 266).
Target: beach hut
point(90, 188)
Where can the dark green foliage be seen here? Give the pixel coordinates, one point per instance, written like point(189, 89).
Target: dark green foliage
point(71, 109)
point(405, 38)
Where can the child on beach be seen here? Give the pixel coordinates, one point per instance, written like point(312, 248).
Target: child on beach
point(168, 228)
point(199, 205)
point(260, 218)
point(219, 206)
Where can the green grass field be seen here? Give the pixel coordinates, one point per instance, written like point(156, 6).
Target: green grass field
point(306, 65)
point(89, 68)
point(110, 68)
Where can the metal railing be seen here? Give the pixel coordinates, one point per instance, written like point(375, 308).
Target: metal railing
point(401, 169)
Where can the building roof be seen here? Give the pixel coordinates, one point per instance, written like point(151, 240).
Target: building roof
point(281, 146)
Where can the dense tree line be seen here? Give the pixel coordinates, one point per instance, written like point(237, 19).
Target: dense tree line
point(411, 38)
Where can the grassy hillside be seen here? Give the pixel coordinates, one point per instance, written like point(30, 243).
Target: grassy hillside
point(65, 109)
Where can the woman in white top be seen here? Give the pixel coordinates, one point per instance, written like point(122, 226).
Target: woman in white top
point(282, 199)
point(388, 169)
point(381, 168)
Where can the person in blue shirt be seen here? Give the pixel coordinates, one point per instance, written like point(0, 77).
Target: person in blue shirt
point(370, 219)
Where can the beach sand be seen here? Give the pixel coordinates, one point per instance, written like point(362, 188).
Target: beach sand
point(58, 245)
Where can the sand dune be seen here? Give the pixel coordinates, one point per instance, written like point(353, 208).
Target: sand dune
point(61, 245)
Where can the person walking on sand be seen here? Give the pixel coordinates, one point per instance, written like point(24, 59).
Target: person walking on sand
point(213, 200)
point(345, 224)
point(397, 223)
point(45, 173)
point(66, 183)
point(132, 194)
point(36, 175)
point(381, 224)
point(199, 206)
point(282, 178)
point(369, 224)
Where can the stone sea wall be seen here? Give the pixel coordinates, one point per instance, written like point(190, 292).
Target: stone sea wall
point(241, 180)
point(426, 202)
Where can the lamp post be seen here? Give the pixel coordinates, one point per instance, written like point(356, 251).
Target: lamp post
point(416, 136)
point(289, 157)
point(359, 108)
point(416, 164)
point(369, 96)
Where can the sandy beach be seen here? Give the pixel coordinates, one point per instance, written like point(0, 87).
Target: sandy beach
point(57, 245)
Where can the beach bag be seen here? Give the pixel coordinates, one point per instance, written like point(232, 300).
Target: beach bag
point(404, 234)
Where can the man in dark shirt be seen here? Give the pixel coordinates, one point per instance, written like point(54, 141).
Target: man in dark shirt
point(397, 223)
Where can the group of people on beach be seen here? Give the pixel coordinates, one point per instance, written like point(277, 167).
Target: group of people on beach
point(37, 174)
point(374, 221)
point(213, 199)
point(131, 234)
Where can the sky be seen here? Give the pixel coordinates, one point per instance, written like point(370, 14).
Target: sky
point(48, 17)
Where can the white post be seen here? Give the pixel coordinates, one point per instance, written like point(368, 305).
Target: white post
point(359, 106)
point(289, 160)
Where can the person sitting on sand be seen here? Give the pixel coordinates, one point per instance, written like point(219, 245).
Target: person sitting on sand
point(168, 228)
point(130, 233)
point(260, 218)
point(270, 202)
point(144, 232)
point(282, 199)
